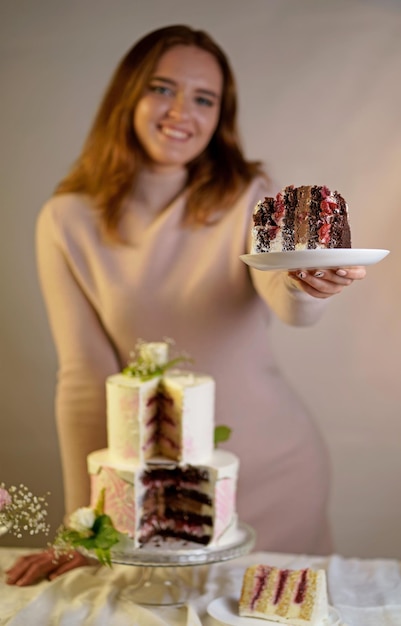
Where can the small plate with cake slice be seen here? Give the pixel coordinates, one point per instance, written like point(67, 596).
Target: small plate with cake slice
point(295, 597)
point(225, 610)
point(314, 259)
point(305, 227)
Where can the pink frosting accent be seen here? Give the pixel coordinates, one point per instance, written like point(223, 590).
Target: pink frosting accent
point(189, 447)
point(224, 504)
point(119, 498)
point(128, 407)
point(129, 403)
point(127, 451)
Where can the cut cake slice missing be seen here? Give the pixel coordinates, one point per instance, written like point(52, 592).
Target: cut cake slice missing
point(293, 597)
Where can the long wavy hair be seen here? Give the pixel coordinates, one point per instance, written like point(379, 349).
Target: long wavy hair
point(112, 156)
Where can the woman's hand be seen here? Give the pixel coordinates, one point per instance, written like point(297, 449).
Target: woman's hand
point(30, 569)
point(323, 283)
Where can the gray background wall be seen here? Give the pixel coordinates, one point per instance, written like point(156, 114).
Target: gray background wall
point(320, 101)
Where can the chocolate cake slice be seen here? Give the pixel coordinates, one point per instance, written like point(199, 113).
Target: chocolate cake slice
point(301, 218)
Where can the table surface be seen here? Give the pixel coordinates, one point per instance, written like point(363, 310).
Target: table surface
point(366, 592)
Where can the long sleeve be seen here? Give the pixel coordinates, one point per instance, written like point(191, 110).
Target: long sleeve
point(85, 354)
point(290, 304)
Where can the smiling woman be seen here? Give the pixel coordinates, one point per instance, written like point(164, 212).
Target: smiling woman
point(142, 240)
point(184, 68)
point(177, 115)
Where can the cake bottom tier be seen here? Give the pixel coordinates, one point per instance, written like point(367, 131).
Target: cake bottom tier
point(195, 503)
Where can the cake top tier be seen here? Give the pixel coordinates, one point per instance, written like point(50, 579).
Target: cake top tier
point(154, 411)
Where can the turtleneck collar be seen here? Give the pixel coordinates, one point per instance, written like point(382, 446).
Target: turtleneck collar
point(154, 191)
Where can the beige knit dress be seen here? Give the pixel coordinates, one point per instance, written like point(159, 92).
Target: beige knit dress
point(188, 284)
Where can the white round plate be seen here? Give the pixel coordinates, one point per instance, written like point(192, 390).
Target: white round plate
point(318, 258)
point(226, 611)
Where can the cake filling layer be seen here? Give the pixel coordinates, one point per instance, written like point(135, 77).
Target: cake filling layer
point(177, 503)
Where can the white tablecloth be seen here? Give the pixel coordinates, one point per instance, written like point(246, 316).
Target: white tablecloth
point(365, 593)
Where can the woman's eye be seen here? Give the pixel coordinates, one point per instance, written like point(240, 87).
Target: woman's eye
point(161, 89)
point(206, 102)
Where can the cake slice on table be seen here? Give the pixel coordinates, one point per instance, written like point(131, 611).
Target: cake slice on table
point(301, 218)
point(293, 597)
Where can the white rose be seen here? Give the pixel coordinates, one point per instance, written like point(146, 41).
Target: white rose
point(82, 519)
point(154, 354)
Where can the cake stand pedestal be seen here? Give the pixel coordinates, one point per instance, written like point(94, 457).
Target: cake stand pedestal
point(160, 580)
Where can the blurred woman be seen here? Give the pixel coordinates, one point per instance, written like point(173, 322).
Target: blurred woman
point(142, 240)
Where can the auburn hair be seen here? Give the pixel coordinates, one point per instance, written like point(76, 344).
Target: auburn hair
point(112, 156)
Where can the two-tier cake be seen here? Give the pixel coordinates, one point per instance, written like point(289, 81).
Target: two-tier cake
point(161, 475)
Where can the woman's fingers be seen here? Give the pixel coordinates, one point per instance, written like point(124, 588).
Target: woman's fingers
point(358, 272)
point(323, 283)
point(29, 570)
point(76, 560)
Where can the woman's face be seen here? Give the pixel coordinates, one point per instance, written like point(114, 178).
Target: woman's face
point(178, 112)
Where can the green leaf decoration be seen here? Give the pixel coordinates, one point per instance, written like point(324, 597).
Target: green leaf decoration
point(106, 535)
point(99, 508)
point(221, 434)
point(99, 539)
point(103, 556)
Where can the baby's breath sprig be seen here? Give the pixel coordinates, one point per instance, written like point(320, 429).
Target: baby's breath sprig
point(22, 512)
point(149, 360)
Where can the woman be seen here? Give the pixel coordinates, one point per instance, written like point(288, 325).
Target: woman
point(142, 240)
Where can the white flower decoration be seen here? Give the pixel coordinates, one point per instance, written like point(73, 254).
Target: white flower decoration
point(82, 519)
point(154, 354)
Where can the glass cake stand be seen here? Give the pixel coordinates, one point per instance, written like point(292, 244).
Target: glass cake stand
point(159, 580)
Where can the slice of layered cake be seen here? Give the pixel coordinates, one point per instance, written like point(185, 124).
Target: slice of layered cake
point(294, 597)
point(301, 218)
